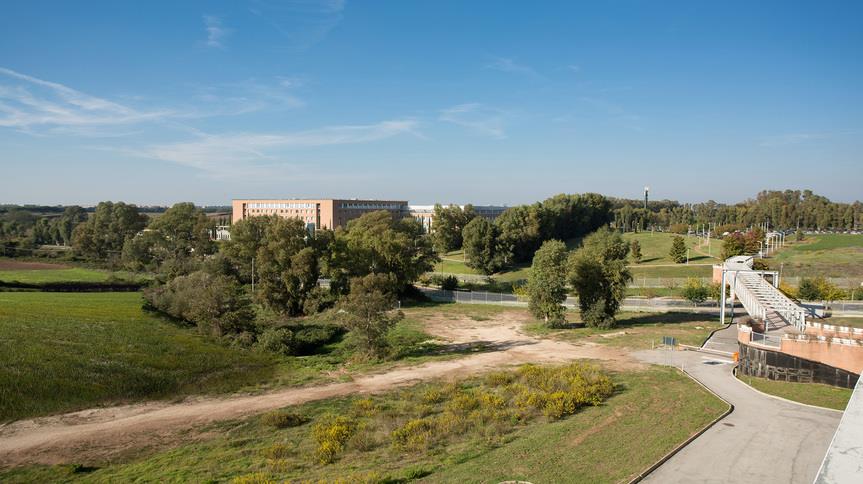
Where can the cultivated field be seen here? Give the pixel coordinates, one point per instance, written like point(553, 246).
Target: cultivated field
point(41, 272)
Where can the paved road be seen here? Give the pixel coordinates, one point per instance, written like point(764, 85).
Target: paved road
point(764, 440)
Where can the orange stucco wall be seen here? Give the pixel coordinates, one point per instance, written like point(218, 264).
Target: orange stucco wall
point(844, 356)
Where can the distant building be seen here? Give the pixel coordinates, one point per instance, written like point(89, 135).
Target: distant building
point(424, 214)
point(316, 213)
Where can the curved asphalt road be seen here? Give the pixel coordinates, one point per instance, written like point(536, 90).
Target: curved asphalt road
point(764, 440)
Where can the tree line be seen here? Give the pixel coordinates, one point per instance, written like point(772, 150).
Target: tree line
point(787, 209)
point(515, 235)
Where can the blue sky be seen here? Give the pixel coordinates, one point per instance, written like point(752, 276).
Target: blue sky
point(445, 101)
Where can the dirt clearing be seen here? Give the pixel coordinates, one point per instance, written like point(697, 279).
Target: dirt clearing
point(99, 434)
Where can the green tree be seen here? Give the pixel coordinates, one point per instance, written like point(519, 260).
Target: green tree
point(598, 273)
point(66, 223)
point(286, 268)
point(375, 243)
point(635, 251)
point(105, 232)
point(368, 311)
point(448, 224)
point(798, 235)
point(216, 304)
point(185, 229)
point(547, 283)
point(521, 232)
point(678, 250)
point(481, 248)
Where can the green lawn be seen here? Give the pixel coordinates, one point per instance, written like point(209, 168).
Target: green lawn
point(635, 330)
point(650, 413)
point(656, 246)
point(667, 272)
point(809, 393)
point(829, 255)
point(66, 351)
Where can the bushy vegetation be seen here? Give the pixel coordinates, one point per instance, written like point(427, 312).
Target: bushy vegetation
point(433, 416)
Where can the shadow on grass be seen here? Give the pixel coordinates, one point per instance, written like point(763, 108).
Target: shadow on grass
point(664, 318)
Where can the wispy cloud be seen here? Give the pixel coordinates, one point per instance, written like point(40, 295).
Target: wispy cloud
point(615, 112)
point(27, 102)
point(216, 32)
point(476, 117)
point(791, 139)
point(248, 96)
point(505, 64)
point(302, 23)
point(218, 153)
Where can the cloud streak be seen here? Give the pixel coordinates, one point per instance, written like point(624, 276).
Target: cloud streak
point(505, 64)
point(218, 153)
point(27, 102)
point(216, 32)
point(477, 118)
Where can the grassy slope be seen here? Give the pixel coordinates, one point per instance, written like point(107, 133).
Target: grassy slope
point(65, 351)
point(636, 330)
point(830, 255)
point(653, 411)
point(809, 393)
point(61, 352)
point(657, 410)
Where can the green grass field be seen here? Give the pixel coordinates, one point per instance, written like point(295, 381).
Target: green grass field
point(635, 330)
point(13, 270)
point(656, 246)
point(611, 442)
point(809, 393)
point(829, 255)
point(66, 351)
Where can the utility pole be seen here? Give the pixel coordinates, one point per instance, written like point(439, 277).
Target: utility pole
point(253, 276)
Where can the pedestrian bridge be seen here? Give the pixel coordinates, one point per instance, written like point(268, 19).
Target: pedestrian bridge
point(760, 297)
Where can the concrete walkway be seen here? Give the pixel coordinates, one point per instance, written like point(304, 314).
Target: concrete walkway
point(765, 440)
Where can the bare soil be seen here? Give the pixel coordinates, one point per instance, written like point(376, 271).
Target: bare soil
point(14, 265)
point(101, 434)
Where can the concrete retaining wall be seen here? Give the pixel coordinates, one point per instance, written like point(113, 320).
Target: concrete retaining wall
point(775, 365)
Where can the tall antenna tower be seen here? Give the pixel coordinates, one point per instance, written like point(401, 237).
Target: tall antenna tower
point(646, 191)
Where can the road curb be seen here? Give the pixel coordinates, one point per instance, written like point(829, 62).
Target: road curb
point(775, 397)
point(692, 437)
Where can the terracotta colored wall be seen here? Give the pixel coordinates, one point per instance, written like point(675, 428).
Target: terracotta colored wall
point(328, 213)
point(846, 357)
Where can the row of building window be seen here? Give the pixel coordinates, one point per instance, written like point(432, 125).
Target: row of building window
point(280, 205)
point(374, 206)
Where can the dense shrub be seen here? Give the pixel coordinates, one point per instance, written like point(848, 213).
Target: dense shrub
point(276, 340)
point(695, 291)
point(282, 419)
point(216, 304)
point(332, 434)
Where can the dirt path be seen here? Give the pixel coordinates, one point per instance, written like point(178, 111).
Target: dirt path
point(102, 433)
